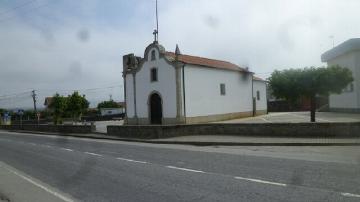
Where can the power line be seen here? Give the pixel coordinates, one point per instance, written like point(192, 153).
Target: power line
point(14, 102)
point(60, 90)
point(86, 89)
point(15, 97)
point(22, 97)
point(14, 94)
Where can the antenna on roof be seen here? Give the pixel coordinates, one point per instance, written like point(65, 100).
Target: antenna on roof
point(156, 31)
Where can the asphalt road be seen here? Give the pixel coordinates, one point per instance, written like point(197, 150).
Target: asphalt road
point(91, 170)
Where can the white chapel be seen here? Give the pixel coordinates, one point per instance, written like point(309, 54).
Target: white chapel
point(173, 88)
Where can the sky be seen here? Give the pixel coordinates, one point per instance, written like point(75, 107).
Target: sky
point(64, 45)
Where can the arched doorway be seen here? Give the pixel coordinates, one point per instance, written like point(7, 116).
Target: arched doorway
point(155, 109)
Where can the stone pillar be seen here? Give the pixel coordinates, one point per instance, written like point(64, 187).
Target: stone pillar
point(179, 99)
point(135, 107)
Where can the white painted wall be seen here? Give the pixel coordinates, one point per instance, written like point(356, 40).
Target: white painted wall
point(202, 86)
point(130, 111)
point(261, 87)
point(165, 85)
point(347, 99)
point(111, 111)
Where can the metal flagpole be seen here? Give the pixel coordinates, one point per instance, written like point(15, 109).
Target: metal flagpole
point(157, 22)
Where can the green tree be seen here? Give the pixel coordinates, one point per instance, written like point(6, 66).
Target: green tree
point(1, 115)
point(108, 104)
point(58, 106)
point(291, 84)
point(29, 114)
point(77, 105)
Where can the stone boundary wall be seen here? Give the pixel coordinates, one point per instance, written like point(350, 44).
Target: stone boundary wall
point(52, 128)
point(331, 130)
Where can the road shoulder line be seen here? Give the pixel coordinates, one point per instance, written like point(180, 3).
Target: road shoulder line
point(36, 183)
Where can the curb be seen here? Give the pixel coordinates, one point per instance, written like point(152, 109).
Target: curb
point(193, 143)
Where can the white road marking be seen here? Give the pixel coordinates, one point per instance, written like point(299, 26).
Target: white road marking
point(186, 169)
point(48, 146)
point(261, 181)
point(265, 120)
point(32, 144)
point(67, 149)
point(39, 185)
point(92, 154)
point(350, 194)
point(130, 160)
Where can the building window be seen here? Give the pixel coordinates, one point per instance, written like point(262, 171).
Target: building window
point(222, 89)
point(153, 55)
point(258, 95)
point(153, 75)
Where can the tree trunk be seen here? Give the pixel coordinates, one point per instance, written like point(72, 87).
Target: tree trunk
point(312, 108)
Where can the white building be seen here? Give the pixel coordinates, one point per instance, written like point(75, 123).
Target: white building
point(111, 111)
point(172, 88)
point(346, 55)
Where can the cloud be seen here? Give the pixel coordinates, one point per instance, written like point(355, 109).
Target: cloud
point(79, 44)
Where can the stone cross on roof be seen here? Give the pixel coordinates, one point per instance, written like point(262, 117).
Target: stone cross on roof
point(155, 33)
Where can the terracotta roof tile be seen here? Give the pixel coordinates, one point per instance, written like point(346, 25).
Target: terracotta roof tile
point(195, 60)
point(258, 78)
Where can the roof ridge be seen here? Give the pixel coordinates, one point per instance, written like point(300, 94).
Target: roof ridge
point(203, 61)
point(204, 58)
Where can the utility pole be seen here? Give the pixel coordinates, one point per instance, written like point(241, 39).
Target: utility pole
point(33, 95)
point(37, 115)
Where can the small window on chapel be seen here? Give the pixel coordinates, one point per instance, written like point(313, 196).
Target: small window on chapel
point(153, 75)
point(258, 95)
point(222, 89)
point(153, 55)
